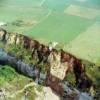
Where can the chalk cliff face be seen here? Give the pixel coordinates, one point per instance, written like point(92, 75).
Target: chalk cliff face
point(56, 73)
point(46, 93)
point(52, 80)
point(10, 38)
point(3, 34)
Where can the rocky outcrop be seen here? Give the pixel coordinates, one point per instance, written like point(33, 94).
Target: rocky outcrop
point(30, 71)
point(18, 65)
point(58, 67)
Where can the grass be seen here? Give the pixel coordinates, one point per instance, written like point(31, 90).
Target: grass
point(59, 27)
point(87, 44)
point(12, 82)
point(94, 73)
point(52, 24)
point(83, 12)
point(6, 73)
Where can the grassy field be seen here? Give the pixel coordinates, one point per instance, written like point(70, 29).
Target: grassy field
point(53, 20)
point(87, 44)
point(49, 15)
point(60, 27)
point(65, 21)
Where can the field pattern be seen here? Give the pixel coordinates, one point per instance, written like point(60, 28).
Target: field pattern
point(87, 44)
point(63, 21)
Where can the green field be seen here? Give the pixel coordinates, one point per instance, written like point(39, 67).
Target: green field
point(62, 21)
point(75, 24)
point(87, 44)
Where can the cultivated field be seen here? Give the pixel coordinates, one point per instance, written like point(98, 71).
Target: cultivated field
point(83, 12)
point(87, 44)
point(52, 20)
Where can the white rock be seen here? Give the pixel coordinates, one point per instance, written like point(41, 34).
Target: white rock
point(49, 94)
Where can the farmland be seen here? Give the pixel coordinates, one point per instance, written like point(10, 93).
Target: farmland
point(51, 20)
point(75, 24)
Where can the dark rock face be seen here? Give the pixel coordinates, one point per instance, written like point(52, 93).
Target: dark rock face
point(3, 57)
point(25, 69)
point(18, 65)
point(31, 71)
point(3, 34)
point(21, 67)
point(55, 84)
point(61, 60)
